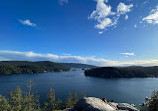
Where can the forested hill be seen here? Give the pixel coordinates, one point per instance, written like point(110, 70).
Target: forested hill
point(123, 72)
point(78, 65)
point(16, 67)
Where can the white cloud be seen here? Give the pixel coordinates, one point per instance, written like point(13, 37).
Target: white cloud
point(104, 15)
point(126, 17)
point(128, 54)
point(100, 32)
point(135, 26)
point(65, 54)
point(27, 22)
point(145, 2)
point(31, 56)
point(104, 23)
point(101, 14)
point(123, 9)
point(152, 18)
point(61, 2)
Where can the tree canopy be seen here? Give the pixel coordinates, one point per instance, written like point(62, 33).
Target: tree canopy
point(17, 67)
point(123, 72)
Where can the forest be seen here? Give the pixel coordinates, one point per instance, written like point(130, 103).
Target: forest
point(78, 65)
point(123, 72)
point(17, 67)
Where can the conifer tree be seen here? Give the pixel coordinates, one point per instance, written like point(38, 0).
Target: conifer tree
point(51, 104)
point(4, 104)
point(30, 99)
point(59, 105)
point(153, 103)
point(31, 102)
point(69, 101)
point(74, 98)
point(16, 99)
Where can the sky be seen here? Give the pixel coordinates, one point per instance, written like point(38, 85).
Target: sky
point(97, 32)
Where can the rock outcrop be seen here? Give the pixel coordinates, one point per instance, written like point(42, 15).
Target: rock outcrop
point(92, 104)
point(96, 104)
point(125, 106)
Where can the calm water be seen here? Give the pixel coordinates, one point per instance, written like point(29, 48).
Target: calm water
point(121, 90)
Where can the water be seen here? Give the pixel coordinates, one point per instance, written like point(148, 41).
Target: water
point(132, 90)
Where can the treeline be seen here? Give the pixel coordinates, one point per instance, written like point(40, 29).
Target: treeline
point(17, 67)
point(78, 65)
point(123, 72)
point(29, 101)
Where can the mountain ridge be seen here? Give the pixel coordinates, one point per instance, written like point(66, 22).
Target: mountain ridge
point(78, 65)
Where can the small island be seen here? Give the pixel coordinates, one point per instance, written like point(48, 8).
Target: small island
point(123, 72)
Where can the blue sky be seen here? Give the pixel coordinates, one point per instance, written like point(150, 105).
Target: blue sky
point(99, 32)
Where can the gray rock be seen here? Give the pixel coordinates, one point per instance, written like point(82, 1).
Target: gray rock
point(92, 104)
point(113, 105)
point(68, 109)
point(125, 106)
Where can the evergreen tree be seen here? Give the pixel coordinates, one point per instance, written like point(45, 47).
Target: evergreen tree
point(69, 101)
point(16, 99)
point(74, 98)
point(29, 86)
point(59, 105)
point(30, 102)
point(51, 104)
point(30, 99)
point(153, 103)
point(4, 104)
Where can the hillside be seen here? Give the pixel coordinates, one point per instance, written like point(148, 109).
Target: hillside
point(78, 65)
point(123, 72)
point(16, 67)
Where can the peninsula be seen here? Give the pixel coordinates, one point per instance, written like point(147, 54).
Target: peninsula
point(17, 67)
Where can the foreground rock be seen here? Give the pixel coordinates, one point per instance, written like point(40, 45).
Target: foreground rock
point(96, 104)
point(92, 104)
point(125, 106)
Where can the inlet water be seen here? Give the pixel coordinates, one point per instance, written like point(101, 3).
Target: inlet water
point(132, 90)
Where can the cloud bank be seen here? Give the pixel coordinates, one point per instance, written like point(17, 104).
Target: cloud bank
point(27, 22)
point(31, 56)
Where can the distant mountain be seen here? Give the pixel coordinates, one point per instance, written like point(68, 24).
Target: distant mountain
point(17, 67)
point(123, 72)
point(78, 65)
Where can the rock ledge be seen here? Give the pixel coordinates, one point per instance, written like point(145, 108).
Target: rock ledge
point(96, 104)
